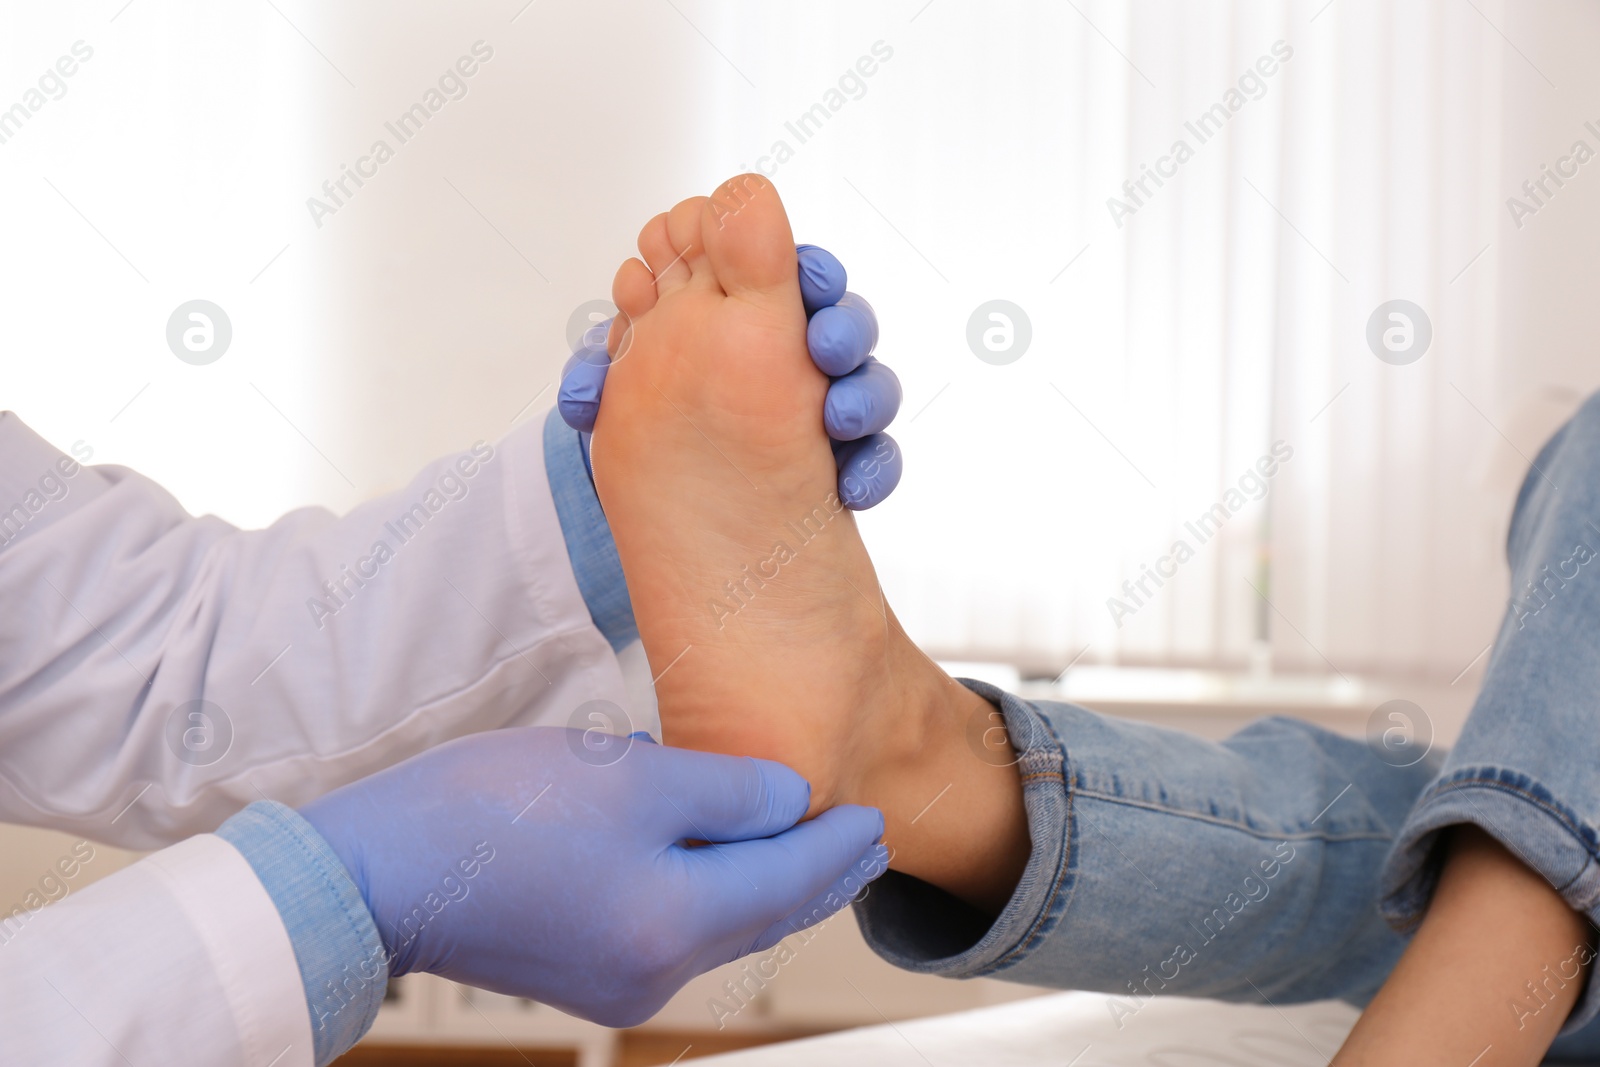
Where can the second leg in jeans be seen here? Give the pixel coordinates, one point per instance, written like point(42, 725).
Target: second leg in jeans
point(1526, 771)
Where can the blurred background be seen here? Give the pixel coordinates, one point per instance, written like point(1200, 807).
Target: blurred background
point(1122, 253)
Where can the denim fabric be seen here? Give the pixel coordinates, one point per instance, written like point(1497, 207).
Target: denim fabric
point(1525, 767)
point(1246, 870)
point(336, 943)
point(1288, 863)
point(583, 525)
point(1165, 863)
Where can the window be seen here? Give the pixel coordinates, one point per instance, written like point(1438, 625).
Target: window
point(1198, 209)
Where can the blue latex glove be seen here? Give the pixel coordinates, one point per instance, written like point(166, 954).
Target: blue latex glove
point(551, 864)
point(841, 334)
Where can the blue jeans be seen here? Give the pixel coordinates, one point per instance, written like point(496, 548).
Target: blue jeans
point(1288, 863)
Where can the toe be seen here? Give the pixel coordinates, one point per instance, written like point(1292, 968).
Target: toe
point(661, 255)
point(747, 237)
point(683, 227)
point(633, 289)
point(619, 338)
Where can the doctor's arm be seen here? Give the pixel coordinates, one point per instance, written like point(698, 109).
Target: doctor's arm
point(162, 671)
point(536, 862)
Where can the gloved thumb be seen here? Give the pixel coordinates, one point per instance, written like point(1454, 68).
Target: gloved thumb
point(711, 797)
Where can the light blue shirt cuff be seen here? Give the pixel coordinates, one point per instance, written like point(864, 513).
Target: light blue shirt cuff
point(583, 525)
point(342, 960)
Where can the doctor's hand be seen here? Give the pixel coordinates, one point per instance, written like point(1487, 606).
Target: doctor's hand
point(863, 398)
point(552, 864)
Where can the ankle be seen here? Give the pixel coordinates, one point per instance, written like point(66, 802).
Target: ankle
point(946, 780)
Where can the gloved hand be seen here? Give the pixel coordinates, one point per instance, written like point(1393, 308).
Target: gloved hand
point(841, 334)
point(551, 864)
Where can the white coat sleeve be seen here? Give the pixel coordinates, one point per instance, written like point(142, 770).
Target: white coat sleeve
point(180, 959)
point(158, 671)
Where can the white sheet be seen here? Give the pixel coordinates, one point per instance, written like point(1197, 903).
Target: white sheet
point(1079, 1030)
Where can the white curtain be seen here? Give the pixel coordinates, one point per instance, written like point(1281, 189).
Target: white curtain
point(1349, 159)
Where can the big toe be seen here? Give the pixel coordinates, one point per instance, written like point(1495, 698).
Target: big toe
point(747, 237)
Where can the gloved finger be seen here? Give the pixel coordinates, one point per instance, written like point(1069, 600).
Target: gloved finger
point(841, 337)
point(822, 277)
point(862, 402)
point(869, 469)
point(642, 735)
point(850, 887)
point(710, 797)
point(582, 381)
point(754, 884)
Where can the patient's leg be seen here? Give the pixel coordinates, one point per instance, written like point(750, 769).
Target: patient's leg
point(1492, 974)
point(1524, 774)
point(755, 598)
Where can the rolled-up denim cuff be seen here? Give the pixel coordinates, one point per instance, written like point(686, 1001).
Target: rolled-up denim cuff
point(1524, 816)
point(918, 927)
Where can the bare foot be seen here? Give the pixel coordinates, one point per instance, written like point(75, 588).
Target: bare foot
point(756, 601)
